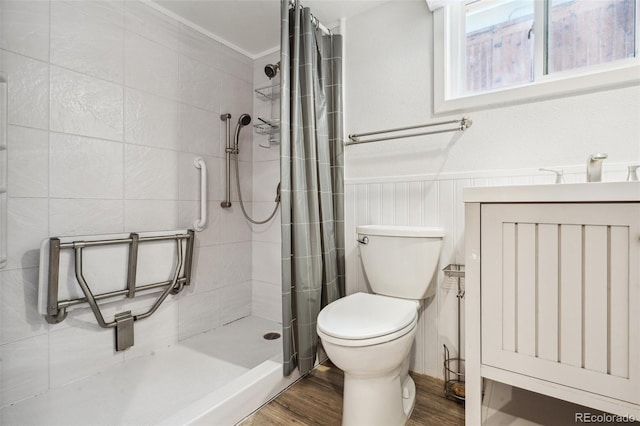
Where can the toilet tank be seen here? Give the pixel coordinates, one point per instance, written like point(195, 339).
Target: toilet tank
point(400, 261)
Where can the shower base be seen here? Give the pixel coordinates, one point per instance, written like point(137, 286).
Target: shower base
point(218, 377)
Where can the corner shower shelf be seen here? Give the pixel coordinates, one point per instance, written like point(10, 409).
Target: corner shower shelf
point(271, 127)
point(268, 93)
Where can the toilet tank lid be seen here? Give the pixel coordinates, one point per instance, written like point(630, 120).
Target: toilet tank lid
point(401, 231)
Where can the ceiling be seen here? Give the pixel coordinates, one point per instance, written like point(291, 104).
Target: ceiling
point(253, 26)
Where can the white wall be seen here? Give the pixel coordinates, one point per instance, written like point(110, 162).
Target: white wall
point(109, 102)
point(419, 181)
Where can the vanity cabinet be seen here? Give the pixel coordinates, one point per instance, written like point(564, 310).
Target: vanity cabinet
point(553, 293)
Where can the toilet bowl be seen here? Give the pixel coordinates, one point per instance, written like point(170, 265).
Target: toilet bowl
point(369, 336)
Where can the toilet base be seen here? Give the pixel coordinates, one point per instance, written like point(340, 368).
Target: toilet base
point(377, 401)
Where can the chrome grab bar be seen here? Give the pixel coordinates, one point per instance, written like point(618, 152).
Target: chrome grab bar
point(123, 321)
point(463, 124)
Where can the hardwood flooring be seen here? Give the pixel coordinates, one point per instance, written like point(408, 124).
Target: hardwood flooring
point(317, 400)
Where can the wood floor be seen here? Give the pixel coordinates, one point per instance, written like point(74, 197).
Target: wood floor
point(317, 400)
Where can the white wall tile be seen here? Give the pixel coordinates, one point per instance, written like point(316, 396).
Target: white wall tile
point(84, 217)
point(200, 47)
point(150, 66)
point(189, 175)
point(246, 181)
point(266, 176)
point(236, 95)
point(199, 313)
point(27, 226)
point(88, 37)
point(270, 231)
point(267, 301)
point(151, 24)
point(24, 28)
point(78, 352)
point(234, 63)
point(266, 262)
point(150, 174)
point(199, 84)
point(199, 131)
point(28, 97)
point(85, 105)
point(24, 369)
point(189, 211)
point(28, 162)
point(216, 178)
point(235, 263)
point(233, 226)
point(19, 301)
point(150, 120)
point(235, 302)
point(85, 168)
point(207, 270)
point(150, 215)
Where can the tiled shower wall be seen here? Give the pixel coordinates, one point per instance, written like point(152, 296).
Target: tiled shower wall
point(109, 103)
point(432, 200)
point(266, 269)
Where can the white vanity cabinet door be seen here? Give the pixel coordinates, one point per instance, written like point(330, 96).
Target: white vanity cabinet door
point(560, 294)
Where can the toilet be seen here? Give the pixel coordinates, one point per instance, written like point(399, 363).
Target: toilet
point(369, 336)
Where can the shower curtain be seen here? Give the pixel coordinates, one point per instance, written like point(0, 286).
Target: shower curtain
point(312, 186)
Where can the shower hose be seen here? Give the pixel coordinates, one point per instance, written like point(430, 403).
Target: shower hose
point(244, 212)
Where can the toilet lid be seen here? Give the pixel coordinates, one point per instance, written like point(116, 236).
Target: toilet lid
point(364, 316)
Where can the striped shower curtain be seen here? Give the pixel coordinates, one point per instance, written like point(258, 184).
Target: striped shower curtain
point(311, 173)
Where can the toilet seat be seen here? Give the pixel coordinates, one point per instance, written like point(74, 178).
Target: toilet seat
point(363, 319)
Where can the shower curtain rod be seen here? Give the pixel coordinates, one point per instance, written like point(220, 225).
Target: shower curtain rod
point(463, 124)
point(315, 20)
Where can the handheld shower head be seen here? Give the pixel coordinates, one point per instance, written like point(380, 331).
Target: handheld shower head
point(244, 120)
point(271, 70)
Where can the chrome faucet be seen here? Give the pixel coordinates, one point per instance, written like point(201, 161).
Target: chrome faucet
point(594, 167)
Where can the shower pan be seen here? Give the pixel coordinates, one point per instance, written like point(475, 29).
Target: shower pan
point(233, 148)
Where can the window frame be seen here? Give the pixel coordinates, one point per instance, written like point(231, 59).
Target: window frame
point(449, 28)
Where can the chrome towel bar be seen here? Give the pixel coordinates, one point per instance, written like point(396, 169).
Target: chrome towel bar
point(463, 124)
point(123, 321)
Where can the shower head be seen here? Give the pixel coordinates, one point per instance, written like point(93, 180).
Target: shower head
point(271, 70)
point(244, 120)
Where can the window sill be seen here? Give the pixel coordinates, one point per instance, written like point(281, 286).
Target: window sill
point(569, 84)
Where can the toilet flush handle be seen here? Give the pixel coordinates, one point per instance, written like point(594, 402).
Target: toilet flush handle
point(363, 240)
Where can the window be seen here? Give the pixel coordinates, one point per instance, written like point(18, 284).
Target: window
point(490, 52)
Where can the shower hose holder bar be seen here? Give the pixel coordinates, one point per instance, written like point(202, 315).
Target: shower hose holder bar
point(123, 321)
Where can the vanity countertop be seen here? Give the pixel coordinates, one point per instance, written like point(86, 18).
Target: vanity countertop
point(555, 193)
